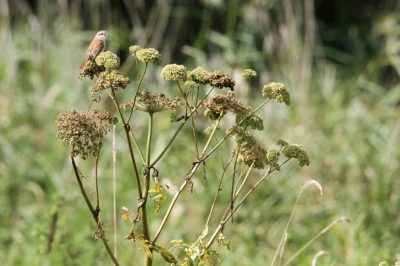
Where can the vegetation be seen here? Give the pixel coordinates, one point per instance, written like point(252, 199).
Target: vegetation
point(344, 86)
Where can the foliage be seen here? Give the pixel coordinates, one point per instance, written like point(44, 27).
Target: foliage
point(341, 71)
point(84, 132)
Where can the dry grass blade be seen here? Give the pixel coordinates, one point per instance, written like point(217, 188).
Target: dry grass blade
point(284, 237)
point(319, 254)
point(316, 236)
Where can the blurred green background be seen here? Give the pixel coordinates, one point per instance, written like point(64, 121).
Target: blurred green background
point(338, 59)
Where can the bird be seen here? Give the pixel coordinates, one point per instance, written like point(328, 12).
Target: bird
point(95, 47)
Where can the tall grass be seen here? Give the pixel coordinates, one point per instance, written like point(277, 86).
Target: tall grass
point(347, 120)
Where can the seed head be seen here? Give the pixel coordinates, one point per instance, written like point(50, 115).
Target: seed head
point(153, 102)
point(218, 79)
point(111, 80)
point(84, 131)
point(91, 69)
point(222, 103)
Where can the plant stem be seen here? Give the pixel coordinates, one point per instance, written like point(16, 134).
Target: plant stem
point(190, 174)
point(228, 214)
point(238, 124)
point(192, 171)
point(178, 130)
point(97, 181)
point(218, 190)
point(127, 129)
point(147, 178)
point(92, 210)
point(144, 222)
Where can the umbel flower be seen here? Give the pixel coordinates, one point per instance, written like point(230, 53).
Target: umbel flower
point(84, 131)
point(254, 121)
point(242, 136)
point(194, 78)
point(277, 91)
point(249, 73)
point(197, 75)
point(111, 80)
point(173, 72)
point(218, 79)
point(221, 104)
point(134, 48)
point(91, 69)
point(108, 60)
point(296, 151)
point(153, 102)
point(148, 55)
point(255, 155)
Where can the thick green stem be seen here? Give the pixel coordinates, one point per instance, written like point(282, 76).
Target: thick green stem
point(145, 224)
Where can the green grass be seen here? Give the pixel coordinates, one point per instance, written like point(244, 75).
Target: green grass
point(345, 117)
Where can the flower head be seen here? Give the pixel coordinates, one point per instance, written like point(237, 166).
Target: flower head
point(190, 84)
point(84, 131)
point(108, 60)
point(276, 91)
point(111, 80)
point(249, 73)
point(91, 69)
point(254, 121)
point(242, 136)
point(272, 156)
point(197, 75)
point(134, 48)
point(153, 102)
point(220, 104)
point(282, 142)
point(297, 152)
point(255, 155)
point(218, 79)
point(173, 72)
point(147, 55)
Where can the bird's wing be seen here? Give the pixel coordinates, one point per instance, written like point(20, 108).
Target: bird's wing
point(95, 48)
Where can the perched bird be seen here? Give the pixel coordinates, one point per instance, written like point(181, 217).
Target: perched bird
point(96, 47)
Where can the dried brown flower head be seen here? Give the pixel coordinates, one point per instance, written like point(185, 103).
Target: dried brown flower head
point(222, 103)
point(91, 69)
point(218, 79)
point(253, 154)
point(111, 80)
point(153, 102)
point(84, 131)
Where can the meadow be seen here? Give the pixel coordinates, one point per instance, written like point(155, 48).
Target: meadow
point(345, 94)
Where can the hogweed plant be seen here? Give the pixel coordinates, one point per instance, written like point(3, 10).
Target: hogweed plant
point(84, 133)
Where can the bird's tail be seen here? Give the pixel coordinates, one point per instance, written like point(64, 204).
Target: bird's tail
point(84, 63)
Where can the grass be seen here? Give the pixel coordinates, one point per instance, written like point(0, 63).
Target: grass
point(346, 119)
